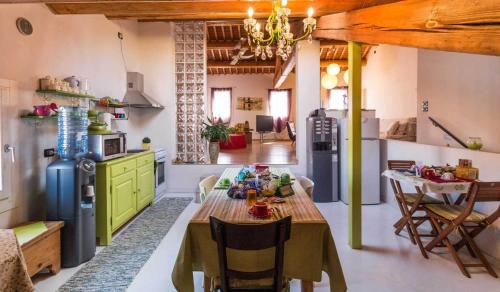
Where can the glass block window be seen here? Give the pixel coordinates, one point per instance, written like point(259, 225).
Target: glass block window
point(190, 87)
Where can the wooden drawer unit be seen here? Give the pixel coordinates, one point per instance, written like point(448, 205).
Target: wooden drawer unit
point(121, 168)
point(145, 160)
point(124, 186)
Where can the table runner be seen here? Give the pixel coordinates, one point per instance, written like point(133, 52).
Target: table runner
point(428, 186)
point(13, 273)
point(310, 250)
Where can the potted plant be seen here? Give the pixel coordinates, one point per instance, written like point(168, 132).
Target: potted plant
point(214, 133)
point(146, 143)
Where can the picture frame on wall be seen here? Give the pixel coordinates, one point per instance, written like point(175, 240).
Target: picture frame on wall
point(249, 103)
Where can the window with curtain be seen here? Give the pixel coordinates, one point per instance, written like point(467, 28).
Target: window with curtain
point(279, 107)
point(337, 98)
point(221, 104)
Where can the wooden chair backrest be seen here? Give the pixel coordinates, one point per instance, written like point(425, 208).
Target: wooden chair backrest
point(488, 192)
point(400, 164)
point(307, 184)
point(206, 186)
point(251, 237)
point(482, 192)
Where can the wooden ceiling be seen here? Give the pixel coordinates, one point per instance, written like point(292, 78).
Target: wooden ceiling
point(147, 10)
point(224, 18)
point(223, 36)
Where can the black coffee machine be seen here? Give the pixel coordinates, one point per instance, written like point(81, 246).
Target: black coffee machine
point(322, 155)
point(71, 198)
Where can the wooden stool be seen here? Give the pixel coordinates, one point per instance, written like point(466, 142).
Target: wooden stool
point(44, 251)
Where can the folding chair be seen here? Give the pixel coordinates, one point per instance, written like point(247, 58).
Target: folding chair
point(408, 204)
point(469, 223)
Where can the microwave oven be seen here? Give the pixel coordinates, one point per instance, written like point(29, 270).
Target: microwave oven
point(104, 147)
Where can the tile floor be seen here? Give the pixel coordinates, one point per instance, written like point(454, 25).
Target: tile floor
point(386, 263)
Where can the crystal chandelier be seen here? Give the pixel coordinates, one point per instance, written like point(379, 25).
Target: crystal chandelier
point(278, 31)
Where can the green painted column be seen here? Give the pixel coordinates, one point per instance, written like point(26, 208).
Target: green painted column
point(354, 145)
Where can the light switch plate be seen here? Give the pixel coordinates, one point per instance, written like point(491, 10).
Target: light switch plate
point(425, 106)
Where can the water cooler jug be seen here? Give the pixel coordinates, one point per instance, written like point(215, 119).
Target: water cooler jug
point(322, 156)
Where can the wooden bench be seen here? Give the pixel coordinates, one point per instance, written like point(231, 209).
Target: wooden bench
point(44, 251)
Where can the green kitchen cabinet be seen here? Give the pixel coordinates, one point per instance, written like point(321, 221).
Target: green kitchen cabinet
point(123, 198)
point(145, 185)
point(124, 187)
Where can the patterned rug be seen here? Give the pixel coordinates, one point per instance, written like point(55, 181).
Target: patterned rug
point(114, 268)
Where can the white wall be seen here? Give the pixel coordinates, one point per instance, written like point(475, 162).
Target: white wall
point(488, 164)
point(156, 58)
point(463, 93)
point(389, 81)
point(243, 85)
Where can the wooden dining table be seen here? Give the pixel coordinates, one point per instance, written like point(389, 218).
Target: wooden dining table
point(310, 250)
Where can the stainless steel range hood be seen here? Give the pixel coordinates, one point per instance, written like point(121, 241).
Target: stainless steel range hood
point(135, 95)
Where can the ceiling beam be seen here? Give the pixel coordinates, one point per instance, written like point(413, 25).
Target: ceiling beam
point(341, 63)
point(231, 44)
point(283, 69)
point(253, 64)
point(191, 9)
point(459, 25)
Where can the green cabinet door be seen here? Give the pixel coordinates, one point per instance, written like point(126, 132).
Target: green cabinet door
point(123, 198)
point(145, 186)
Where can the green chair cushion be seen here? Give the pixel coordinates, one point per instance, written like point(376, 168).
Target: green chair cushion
point(410, 198)
point(451, 212)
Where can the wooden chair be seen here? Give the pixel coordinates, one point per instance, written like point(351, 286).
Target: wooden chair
point(468, 223)
point(307, 184)
point(206, 186)
point(251, 237)
point(408, 206)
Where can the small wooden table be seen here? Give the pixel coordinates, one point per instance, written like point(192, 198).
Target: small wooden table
point(44, 251)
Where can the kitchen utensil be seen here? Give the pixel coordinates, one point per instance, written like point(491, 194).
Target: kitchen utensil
point(260, 210)
point(251, 197)
point(73, 82)
point(106, 118)
point(97, 127)
point(44, 110)
point(447, 176)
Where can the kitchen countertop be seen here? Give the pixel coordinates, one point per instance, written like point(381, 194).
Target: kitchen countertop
point(124, 158)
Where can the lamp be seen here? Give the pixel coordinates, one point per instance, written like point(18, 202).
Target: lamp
point(346, 76)
point(329, 81)
point(333, 69)
point(278, 30)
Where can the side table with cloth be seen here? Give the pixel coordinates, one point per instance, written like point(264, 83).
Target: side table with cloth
point(310, 250)
point(13, 272)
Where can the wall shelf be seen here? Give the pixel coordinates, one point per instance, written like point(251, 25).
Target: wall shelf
point(39, 118)
point(63, 93)
point(111, 108)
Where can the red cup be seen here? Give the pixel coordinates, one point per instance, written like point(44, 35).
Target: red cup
point(260, 209)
